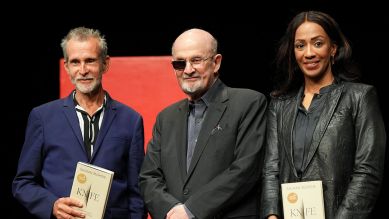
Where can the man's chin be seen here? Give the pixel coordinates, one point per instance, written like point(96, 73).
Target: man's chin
point(189, 90)
point(85, 90)
point(192, 88)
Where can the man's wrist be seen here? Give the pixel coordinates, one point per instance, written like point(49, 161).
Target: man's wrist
point(188, 212)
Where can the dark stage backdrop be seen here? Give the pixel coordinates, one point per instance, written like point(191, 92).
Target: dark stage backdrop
point(247, 34)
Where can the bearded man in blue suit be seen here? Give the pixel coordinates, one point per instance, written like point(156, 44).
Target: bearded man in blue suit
point(86, 126)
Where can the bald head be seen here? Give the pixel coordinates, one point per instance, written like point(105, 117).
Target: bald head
point(195, 39)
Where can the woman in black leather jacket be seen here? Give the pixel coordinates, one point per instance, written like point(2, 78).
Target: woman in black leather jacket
point(322, 126)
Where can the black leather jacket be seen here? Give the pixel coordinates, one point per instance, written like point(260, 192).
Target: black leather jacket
point(347, 152)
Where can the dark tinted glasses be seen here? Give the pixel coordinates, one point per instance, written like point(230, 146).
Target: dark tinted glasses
point(180, 65)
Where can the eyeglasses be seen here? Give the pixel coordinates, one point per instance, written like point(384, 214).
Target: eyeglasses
point(180, 65)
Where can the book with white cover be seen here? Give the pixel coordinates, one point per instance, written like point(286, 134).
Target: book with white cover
point(91, 186)
point(303, 200)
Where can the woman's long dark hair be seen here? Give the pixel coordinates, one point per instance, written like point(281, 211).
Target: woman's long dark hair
point(288, 74)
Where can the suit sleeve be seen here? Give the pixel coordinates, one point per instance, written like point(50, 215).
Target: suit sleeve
point(367, 176)
point(152, 182)
point(136, 155)
point(26, 186)
point(235, 182)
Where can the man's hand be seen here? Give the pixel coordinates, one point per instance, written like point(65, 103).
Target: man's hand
point(177, 212)
point(62, 208)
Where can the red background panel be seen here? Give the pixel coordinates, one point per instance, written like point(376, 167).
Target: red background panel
point(147, 84)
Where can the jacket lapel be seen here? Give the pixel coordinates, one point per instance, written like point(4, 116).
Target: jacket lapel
point(288, 119)
point(71, 116)
point(109, 115)
point(326, 115)
point(213, 115)
point(181, 136)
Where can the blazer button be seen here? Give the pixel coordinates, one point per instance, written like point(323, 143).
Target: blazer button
point(186, 191)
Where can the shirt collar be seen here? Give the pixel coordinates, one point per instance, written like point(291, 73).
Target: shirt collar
point(77, 105)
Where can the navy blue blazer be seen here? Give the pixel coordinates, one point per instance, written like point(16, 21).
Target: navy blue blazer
point(54, 144)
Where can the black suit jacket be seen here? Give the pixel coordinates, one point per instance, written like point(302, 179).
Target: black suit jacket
point(223, 177)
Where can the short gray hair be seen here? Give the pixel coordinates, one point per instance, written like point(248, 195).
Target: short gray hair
point(83, 33)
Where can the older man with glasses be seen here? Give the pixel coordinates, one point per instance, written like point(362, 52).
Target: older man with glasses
point(205, 157)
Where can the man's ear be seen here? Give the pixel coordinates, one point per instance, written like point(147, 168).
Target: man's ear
point(218, 61)
point(106, 62)
point(66, 66)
